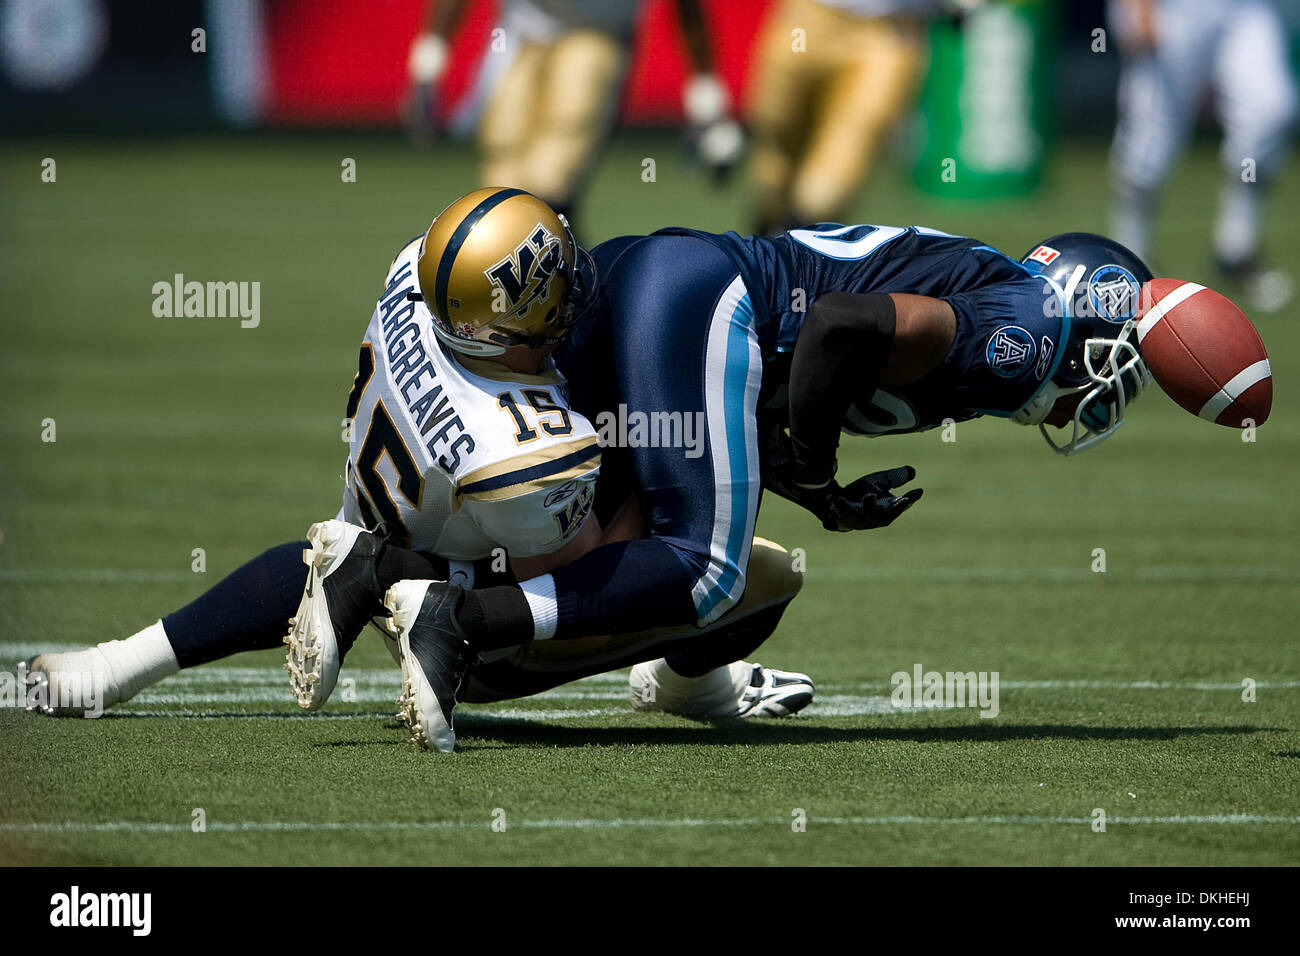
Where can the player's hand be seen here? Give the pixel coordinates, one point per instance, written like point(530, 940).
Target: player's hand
point(714, 136)
point(1140, 32)
point(870, 501)
point(425, 65)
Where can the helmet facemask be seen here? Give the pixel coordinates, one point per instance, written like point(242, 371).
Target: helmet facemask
point(1116, 377)
point(1098, 284)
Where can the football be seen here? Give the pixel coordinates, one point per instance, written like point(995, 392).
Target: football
point(1205, 353)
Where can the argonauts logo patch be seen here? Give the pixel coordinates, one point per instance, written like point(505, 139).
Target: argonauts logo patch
point(1010, 350)
point(1113, 293)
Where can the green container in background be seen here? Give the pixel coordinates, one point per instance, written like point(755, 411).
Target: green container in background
point(986, 101)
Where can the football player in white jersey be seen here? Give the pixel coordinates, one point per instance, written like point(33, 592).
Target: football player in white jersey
point(1174, 52)
point(463, 451)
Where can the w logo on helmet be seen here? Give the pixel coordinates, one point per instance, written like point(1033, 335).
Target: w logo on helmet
point(524, 277)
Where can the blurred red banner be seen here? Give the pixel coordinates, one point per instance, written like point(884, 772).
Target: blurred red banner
point(336, 62)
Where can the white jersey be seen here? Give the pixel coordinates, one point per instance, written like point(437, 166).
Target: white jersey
point(459, 456)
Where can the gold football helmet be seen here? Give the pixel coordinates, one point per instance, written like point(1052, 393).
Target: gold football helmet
point(499, 267)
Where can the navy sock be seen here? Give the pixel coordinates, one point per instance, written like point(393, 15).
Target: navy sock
point(624, 586)
point(248, 610)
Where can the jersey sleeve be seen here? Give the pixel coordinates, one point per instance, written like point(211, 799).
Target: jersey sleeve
point(1007, 344)
point(534, 504)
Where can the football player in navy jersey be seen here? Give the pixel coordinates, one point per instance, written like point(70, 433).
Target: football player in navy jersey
point(775, 346)
point(779, 344)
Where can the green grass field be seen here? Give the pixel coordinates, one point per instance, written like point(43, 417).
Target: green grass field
point(1120, 690)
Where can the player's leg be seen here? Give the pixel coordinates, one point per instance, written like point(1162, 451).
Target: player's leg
point(786, 74)
point(679, 307)
point(248, 610)
point(510, 116)
point(709, 677)
point(864, 98)
point(580, 79)
point(1158, 94)
point(703, 673)
point(1256, 101)
point(245, 611)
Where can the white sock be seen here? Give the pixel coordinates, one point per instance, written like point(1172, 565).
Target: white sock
point(1236, 230)
point(1130, 218)
point(718, 686)
point(144, 658)
point(540, 594)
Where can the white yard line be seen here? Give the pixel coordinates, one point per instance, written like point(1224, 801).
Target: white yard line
point(291, 826)
point(1147, 573)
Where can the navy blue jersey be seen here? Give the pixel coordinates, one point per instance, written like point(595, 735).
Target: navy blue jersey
point(699, 329)
point(1009, 321)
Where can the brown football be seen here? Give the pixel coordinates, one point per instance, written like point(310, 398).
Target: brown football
point(1205, 353)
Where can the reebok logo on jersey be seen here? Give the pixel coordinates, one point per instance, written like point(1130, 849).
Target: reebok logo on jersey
point(1048, 347)
point(1009, 351)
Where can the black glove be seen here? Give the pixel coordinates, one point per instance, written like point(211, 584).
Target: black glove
point(868, 502)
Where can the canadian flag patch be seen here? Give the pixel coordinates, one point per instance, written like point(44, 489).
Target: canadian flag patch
point(1044, 254)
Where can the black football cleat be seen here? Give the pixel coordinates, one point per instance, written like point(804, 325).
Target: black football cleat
point(436, 658)
point(341, 594)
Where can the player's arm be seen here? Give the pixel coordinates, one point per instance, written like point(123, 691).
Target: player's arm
point(627, 524)
point(545, 520)
point(848, 341)
point(589, 536)
point(713, 132)
point(426, 63)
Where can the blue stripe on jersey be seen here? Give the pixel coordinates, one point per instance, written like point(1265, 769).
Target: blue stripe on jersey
point(457, 240)
point(716, 590)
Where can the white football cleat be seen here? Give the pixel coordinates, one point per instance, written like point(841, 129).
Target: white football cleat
point(340, 596)
point(774, 693)
point(71, 684)
point(738, 690)
point(83, 683)
point(436, 659)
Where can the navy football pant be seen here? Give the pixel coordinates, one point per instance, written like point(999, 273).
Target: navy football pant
point(681, 341)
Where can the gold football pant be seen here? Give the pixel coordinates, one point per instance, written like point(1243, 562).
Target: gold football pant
point(550, 113)
point(771, 583)
point(829, 87)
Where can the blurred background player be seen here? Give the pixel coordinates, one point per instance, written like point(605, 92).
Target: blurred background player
point(1174, 50)
point(832, 78)
point(551, 84)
